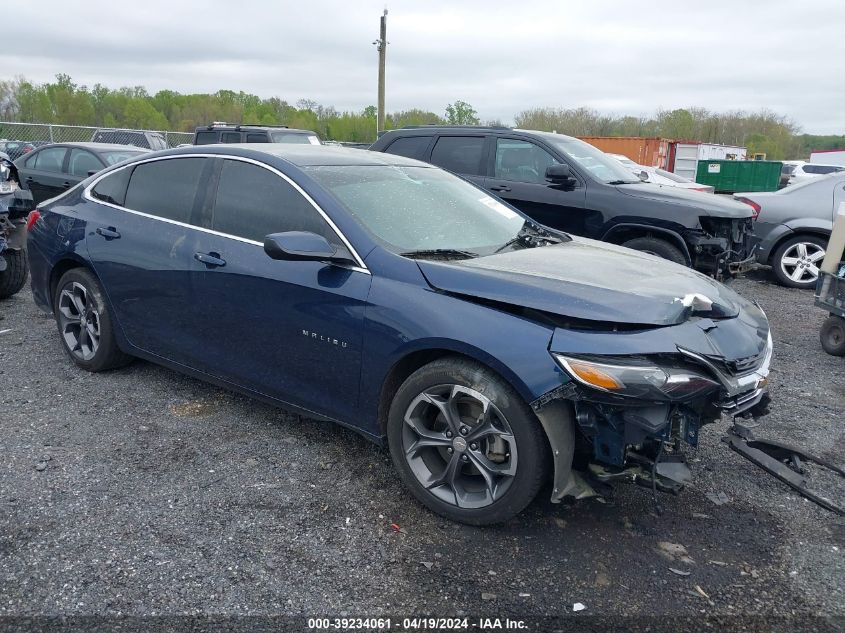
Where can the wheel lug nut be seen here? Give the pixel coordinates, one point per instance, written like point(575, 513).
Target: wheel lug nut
point(448, 433)
point(450, 450)
point(464, 458)
point(474, 446)
point(464, 430)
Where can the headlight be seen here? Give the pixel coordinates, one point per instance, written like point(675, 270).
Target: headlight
point(627, 377)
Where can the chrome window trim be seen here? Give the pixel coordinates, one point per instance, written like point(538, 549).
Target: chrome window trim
point(86, 193)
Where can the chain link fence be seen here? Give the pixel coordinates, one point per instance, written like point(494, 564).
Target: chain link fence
point(19, 135)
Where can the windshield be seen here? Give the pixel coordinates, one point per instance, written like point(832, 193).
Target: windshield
point(420, 208)
point(600, 166)
point(112, 158)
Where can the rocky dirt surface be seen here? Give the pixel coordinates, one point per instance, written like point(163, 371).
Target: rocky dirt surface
point(141, 491)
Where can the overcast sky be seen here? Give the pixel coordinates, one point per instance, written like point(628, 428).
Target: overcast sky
point(617, 56)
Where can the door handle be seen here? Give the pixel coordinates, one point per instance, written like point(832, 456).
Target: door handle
point(211, 260)
point(66, 184)
point(110, 233)
point(29, 179)
point(500, 188)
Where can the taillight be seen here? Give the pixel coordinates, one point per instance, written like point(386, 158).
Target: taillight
point(32, 218)
point(757, 208)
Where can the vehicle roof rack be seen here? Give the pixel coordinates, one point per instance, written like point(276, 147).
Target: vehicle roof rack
point(475, 127)
point(238, 126)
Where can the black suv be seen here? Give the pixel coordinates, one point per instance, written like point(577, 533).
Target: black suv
point(226, 133)
point(570, 185)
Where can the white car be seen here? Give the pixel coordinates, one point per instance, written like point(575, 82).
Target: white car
point(808, 171)
point(658, 176)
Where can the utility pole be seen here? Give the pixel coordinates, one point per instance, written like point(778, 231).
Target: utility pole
point(381, 44)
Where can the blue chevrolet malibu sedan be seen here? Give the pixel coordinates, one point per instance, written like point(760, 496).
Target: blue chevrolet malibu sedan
point(491, 354)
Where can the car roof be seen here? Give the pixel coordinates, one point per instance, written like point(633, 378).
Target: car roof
point(424, 130)
point(299, 155)
point(302, 155)
point(109, 130)
point(99, 147)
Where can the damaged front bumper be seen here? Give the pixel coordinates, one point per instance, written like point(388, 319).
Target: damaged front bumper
point(620, 438)
point(723, 247)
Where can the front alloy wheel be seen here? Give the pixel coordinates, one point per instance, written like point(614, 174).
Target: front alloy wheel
point(465, 443)
point(459, 446)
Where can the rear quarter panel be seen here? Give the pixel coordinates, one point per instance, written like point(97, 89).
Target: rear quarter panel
point(58, 236)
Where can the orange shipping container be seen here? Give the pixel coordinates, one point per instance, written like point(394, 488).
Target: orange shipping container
point(651, 152)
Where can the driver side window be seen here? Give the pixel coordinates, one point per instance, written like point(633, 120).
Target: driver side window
point(521, 161)
point(252, 202)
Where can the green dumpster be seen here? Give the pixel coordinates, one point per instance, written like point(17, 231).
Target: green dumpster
point(729, 176)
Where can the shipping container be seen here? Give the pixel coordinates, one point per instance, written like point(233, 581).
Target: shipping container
point(828, 156)
point(648, 151)
point(684, 156)
point(730, 176)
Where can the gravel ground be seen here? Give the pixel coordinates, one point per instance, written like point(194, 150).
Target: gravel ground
point(141, 491)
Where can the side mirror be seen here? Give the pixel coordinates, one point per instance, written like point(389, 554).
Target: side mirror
point(643, 175)
point(301, 246)
point(560, 174)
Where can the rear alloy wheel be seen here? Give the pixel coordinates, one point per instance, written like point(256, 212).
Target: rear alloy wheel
point(84, 322)
point(796, 262)
point(832, 335)
point(658, 247)
point(465, 443)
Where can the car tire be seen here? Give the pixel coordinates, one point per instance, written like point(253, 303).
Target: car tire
point(798, 251)
point(659, 247)
point(85, 324)
point(832, 335)
point(14, 277)
point(490, 465)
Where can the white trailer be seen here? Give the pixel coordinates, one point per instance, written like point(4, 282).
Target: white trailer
point(687, 156)
point(828, 157)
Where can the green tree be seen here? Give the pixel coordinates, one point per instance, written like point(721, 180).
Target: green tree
point(461, 113)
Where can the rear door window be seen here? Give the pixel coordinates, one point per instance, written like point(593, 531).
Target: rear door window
point(112, 188)
point(50, 159)
point(253, 202)
point(257, 137)
point(230, 137)
point(459, 154)
point(409, 146)
point(165, 188)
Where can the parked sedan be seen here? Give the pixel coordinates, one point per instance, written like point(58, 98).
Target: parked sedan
point(657, 176)
point(794, 225)
point(52, 169)
point(402, 301)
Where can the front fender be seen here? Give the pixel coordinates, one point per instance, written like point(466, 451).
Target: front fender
point(668, 233)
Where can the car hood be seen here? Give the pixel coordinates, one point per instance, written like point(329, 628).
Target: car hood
point(710, 205)
point(587, 280)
